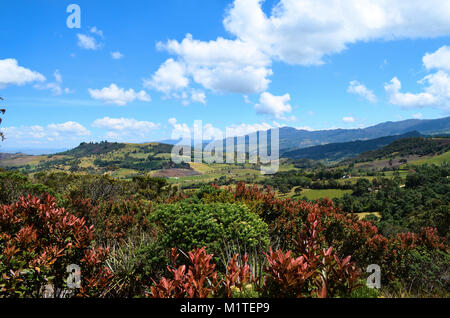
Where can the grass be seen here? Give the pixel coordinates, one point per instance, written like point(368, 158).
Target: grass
point(362, 215)
point(437, 160)
point(313, 194)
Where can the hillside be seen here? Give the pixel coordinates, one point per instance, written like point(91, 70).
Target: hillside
point(118, 159)
point(338, 151)
point(292, 139)
point(408, 147)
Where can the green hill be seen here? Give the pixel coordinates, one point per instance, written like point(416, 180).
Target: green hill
point(338, 151)
point(121, 160)
point(407, 147)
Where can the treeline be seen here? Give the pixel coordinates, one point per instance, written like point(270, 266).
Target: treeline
point(422, 199)
point(316, 179)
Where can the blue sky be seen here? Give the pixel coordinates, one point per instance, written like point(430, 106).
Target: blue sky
point(136, 71)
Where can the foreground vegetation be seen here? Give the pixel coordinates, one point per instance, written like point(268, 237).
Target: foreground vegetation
point(144, 237)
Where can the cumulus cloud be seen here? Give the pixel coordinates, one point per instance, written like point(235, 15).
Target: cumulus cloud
point(438, 60)
point(407, 99)
point(119, 96)
point(87, 42)
point(275, 106)
point(38, 134)
point(222, 65)
point(436, 91)
point(360, 89)
point(69, 127)
point(170, 77)
point(210, 132)
point(125, 128)
point(117, 55)
point(305, 31)
point(13, 74)
point(179, 130)
point(298, 32)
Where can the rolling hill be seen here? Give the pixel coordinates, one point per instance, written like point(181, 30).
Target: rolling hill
point(117, 159)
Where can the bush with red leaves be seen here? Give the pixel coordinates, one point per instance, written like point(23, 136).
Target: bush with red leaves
point(38, 241)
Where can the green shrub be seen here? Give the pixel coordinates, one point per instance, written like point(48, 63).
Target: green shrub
point(14, 184)
point(189, 226)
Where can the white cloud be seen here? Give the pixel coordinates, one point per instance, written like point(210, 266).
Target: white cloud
point(43, 134)
point(56, 86)
point(211, 132)
point(436, 92)
point(179, 130)
point(348, 119)
point(198, 97)
point(406, 99)
point(360, 89)
point(126, 128)
point(117, 55)
point(438, 60)
point(115, 95)
point(13, 74)
point(222, 65)
point(417, 116)
point(245, 129)
point(275, 106)
point(170, 77)
point(87, 42)
point(97, 31)
point(69, 127)
point(304, 31)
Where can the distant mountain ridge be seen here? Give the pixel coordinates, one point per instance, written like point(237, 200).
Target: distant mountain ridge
point(291, 138)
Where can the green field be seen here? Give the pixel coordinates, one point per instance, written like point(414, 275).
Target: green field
point(313, 194)
point(362, 215)
point(437, 160)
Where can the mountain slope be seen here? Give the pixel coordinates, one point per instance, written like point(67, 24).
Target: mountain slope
point(338, 151)
point(406, 147)
point(291, 138)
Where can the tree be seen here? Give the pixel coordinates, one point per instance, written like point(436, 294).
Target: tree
point(2, 111)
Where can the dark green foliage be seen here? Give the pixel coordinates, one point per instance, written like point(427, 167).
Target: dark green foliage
point(93, 148)
point(14, 185)
point(188, 226)
point(426, 270)
point(407, 147)
point(338, 151)
point(423, 201)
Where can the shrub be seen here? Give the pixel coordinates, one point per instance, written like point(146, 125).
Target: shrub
point(200, 280)
point(38, 241)
point(188, 226)
point(15, 184)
